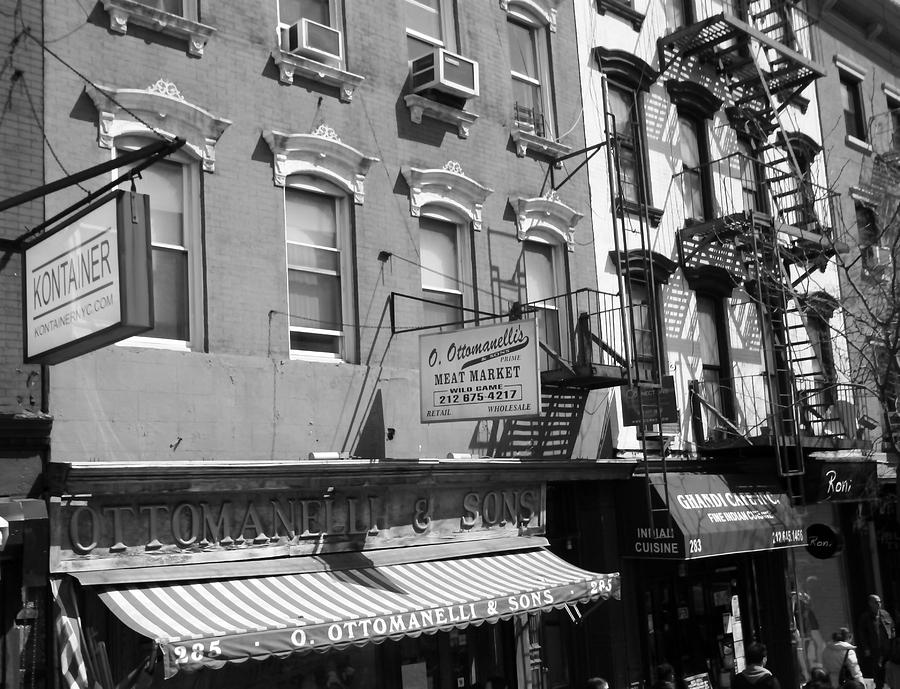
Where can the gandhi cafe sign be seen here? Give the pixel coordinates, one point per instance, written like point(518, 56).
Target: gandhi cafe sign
point(88, 283)
point(477, 373)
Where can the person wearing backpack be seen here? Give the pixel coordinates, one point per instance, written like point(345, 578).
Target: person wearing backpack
point(839, 659)
point(755, 675)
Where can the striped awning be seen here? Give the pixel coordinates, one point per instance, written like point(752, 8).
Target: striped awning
point(210, 623)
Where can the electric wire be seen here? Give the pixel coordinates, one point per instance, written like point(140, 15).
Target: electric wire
point(46, 139)
point(162, 135)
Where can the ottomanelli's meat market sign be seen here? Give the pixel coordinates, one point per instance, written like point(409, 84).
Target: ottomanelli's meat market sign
point(91, 532)
point(480, 373)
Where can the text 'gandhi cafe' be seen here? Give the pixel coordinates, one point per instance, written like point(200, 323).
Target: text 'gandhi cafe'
point(721, 547)
point(341, 573)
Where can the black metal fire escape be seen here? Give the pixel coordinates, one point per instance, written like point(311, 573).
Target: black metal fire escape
point(758, 53)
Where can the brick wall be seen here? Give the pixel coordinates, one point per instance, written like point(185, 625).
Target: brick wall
point(21, 169)
point(244, 398)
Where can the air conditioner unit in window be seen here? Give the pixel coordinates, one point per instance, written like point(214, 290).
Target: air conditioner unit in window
point(316, 41)
point(444, 72)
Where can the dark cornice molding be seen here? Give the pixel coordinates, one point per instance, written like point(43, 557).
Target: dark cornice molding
point(625, 68)
point(637, 262)
point(715, 281)
point(693, 99)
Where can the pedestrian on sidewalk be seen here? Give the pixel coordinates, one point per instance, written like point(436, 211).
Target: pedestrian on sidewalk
point(755, 675)
point(818, 679)
point(840, 660)
point(876, 633)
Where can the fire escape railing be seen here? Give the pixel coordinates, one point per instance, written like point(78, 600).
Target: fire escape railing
point(580, 334)
point(725, 192)
point(827, 410)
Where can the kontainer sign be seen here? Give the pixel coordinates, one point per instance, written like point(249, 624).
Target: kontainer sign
point(477, 373)
point(88, 283)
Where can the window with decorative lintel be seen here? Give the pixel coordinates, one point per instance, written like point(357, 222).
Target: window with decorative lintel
point(546, 218)
point(321, 154)
point(447, 186)
point(161, 106)
point(178, 18)
point(546, 228)
point(448, 205)
point(629, 78)
point(695, 104)
point(128, 119)
point(320, 175)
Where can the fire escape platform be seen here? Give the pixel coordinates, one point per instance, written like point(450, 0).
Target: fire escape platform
point(727, 227)
point(591, 377)
point(719, 39)
point(766, 440)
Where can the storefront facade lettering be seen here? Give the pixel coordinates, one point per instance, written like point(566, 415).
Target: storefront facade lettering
point(195, 653)
point(100, 528)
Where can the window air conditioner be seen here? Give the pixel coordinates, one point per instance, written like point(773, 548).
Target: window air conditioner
point(316, 41)
point(445, 72)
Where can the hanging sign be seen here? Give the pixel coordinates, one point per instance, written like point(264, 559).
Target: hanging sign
point(88, 283)
point(480, 373)
point(650, 405)
point(822, 542)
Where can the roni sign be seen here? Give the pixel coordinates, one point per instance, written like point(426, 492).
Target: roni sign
point(88, 283)
point(479, 373)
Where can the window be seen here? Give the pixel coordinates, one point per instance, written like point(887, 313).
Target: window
point(541, 292)
point(876, 259)
point(682, 13)
point(749, 171)
point(693, 157)
point(865, 225)
point(646, 331)
point(323, 43)
point(442, 271)
point(530, 71)
point(429, 23)
point(179, 18)
point(712, 337)
point(173, 187)
point(623, 107)
point(181, 8)
point(318, 268)
point(894, 113)
point(449, 206)
point(851, 100)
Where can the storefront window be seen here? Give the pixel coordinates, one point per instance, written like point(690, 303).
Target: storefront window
point(818, 599)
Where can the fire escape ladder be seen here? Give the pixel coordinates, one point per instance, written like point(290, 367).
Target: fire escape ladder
point(633, 320)
point(770, 283)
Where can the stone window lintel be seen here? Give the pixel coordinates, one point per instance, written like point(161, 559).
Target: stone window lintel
point(447, 186)
point(546, 214)
point(320, 154)
point(545, 9)
point(161, 107)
